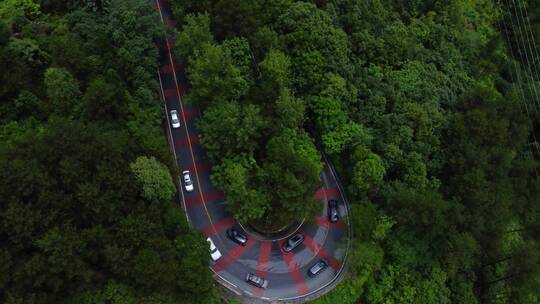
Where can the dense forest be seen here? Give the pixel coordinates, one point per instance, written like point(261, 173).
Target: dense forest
point(429, 109)
point(87, 206)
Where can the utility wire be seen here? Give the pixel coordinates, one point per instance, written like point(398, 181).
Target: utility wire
point(527, 43)
point(521, 52)
point(519, 80)
point(528, 26)
point(531, 45)
point(527, 64)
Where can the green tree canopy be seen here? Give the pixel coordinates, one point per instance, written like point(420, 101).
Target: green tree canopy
point(368, 170)
point(235, 176)
point(62, 90)
point(230, 129)
point(214, 77)
point(155, 179)
point(193, 36)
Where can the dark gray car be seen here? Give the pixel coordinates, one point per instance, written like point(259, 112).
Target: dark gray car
point(333, 214)
point(237, 237)
point(318, 268)
point(293, 242)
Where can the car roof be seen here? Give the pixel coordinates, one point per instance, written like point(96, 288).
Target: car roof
point(215, 254)
point(297, 236)
point(315, 268)
point(318, 266)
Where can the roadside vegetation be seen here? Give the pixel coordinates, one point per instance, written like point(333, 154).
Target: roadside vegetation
point(421, 104)
point(87, 214)
point(427, 108)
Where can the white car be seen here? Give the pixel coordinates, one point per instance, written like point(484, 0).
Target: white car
point(214, 252)
point(188, 183)
point(174, 119)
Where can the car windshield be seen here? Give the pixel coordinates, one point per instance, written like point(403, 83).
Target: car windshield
point(318, 267)
point(212, 246)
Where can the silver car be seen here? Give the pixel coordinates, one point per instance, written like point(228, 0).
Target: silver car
point(256, 281)
point(293, 242)
point(318, 268)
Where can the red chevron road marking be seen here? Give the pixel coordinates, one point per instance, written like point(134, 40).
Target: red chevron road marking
point(323, 221)
point(168, 68)
point(320, 252)
point(212, 196)
point(183, 142)
point(324, 193)
point(200, 168)
point(218, 226)
point(262, 265)
point(233, 255)
point(294, 270)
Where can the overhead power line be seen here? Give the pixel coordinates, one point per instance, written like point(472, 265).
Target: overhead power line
point(524, 55)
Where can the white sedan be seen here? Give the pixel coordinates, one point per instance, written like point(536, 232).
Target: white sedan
point(174, 119)
point(214, 252)
point(188, 183)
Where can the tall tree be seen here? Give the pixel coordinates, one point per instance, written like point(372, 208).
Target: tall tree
point(155, 179)
point(194, 34)
point(62, 90)
point(214, 76)
point(229, 129)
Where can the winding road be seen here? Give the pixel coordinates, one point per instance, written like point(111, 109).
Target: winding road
point(206, 210)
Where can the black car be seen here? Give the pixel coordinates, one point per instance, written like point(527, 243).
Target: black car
point(333, 214)
point(317, 268)
point(293, 242)
point(237, 237)
point(256, 281)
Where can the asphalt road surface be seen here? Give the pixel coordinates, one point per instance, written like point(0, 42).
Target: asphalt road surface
point(206, 210)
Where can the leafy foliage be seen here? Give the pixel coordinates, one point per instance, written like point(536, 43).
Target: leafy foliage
point(226, 81)
point(195, 33)
point(157, 184)
point(417, 102)
point(85, 212)
point(419, 105)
